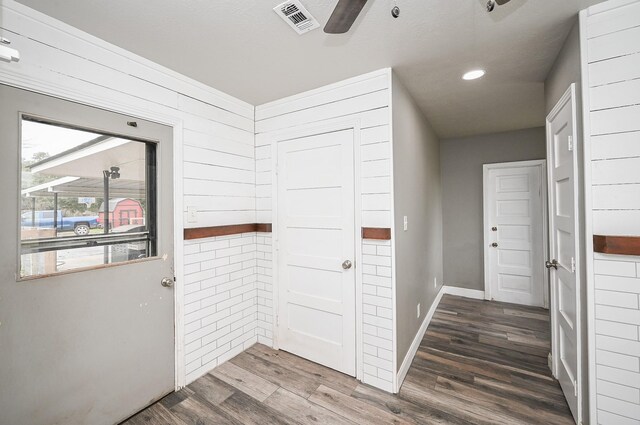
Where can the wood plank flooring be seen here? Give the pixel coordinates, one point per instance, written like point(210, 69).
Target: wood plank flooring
point(480, 362)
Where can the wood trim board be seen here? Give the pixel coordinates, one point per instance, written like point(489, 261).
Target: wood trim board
point(618, 245)
point(233, 229)
point(263, 227)
point(378, 233)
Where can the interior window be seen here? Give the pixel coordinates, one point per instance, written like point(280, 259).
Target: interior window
point(87, 198)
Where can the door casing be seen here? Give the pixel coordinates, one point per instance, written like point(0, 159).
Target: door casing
point(487, 223)
point(306, 131)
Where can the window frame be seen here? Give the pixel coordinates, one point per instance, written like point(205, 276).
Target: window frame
point(150, 236)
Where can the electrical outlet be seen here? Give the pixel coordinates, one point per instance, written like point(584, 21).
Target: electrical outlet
point(435, 282)
point(418, 310)
point(406, 223)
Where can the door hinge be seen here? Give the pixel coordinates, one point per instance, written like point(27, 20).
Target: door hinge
point(277, 169)
point(570, 144)
point(573, 265)
point(277, 320)
point(575, 388)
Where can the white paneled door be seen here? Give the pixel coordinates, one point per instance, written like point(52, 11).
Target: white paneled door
point(564, 252)
point(316, 248)
point(514, 232)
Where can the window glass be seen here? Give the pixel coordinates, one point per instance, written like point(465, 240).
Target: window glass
point(68, 174)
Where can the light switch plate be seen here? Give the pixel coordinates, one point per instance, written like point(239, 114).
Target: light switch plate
point(192, 215)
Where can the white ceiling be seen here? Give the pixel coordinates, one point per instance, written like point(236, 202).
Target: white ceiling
point(243, 48)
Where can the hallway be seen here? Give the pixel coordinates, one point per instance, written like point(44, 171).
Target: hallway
point(479, 363)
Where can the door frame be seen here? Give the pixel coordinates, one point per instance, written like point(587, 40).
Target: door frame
point(570, 96)
point(328, 126)
point(44, 86)
point(542, 165)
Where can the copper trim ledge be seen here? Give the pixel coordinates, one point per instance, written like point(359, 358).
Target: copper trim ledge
point(234, 229)
point(619, 245)
point(378, 233)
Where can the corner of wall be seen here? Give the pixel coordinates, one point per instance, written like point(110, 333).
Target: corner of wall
point(417, 195)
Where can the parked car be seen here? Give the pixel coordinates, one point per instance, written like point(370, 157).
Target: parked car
point(44, 220)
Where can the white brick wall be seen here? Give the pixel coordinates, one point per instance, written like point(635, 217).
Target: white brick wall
point(377, 314)
point(265, 289)
point(617, 338)
point(220, 300)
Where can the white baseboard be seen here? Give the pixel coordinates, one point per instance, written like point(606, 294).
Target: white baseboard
point(464, 292)
point(408, 359)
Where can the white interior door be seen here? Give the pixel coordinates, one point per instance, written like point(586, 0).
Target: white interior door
point(87, 329)
point(316, 249)
point(514, 233)
point(564, 252)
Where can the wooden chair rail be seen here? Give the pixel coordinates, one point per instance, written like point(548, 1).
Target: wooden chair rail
point(619, 245)
point(234, 229)
point(378, 233)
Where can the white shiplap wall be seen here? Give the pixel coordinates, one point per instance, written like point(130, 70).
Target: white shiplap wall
point(611, 62)
point(214, 139)
point(366, 100)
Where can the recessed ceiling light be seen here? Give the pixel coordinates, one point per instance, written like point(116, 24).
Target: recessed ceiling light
point(474, 75)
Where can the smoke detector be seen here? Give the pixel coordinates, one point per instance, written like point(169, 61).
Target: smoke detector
point(297, 16)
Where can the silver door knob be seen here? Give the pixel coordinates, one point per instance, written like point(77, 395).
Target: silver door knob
point(553, 264)
point(167, 282)
point(494, 245)
point(346, 265)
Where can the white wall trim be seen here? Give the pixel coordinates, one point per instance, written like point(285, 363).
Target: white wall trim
point(178, 257)
point(397, 383)
point(413, 349)
point(357, 237)
point(589, 281)
point(475, 294)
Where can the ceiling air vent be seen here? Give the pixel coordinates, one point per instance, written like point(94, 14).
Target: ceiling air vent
point(295, 14)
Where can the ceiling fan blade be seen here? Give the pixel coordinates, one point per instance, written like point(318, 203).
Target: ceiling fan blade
point(343, 16)
point(501, 2)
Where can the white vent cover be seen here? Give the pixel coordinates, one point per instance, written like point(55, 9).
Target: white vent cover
point(297, 16)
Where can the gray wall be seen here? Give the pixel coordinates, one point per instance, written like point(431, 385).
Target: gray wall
point(417, 195)
point(461, 161)
point(565, 71)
